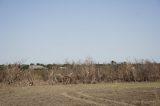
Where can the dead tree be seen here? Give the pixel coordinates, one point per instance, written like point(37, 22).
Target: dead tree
point(51, 76)
point(28, 76)
point(59, 78)
point(68, 78)
point(13, 73)
point(65, 79)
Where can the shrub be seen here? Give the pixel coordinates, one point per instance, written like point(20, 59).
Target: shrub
point(87, 72)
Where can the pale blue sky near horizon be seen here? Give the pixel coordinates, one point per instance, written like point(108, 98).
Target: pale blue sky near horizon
point(50, 31)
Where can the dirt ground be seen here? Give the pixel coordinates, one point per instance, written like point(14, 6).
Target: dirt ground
point(103, 94)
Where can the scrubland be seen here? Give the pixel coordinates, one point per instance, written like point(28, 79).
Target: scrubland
point(82, 84)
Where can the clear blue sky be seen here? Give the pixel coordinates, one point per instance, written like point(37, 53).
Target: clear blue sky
point(50, 31)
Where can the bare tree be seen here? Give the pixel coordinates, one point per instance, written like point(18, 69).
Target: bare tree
point(59, 78)
point(65, 79)
point(68, 78)
point(50, 78)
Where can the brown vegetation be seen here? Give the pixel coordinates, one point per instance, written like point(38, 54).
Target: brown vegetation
point(87, 72)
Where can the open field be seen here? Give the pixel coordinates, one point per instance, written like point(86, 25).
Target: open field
point(102, 94)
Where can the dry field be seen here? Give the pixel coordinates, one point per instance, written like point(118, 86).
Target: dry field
point(102, 94)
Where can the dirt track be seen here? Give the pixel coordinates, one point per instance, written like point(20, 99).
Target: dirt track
point(122, 94)
point(88, 100)
point(80, 99)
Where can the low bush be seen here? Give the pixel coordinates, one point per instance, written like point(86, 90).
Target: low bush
point(87, 72)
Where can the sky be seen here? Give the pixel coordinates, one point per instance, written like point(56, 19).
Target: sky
point(53, 31)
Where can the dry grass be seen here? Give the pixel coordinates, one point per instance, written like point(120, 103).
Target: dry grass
point(104, 94)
